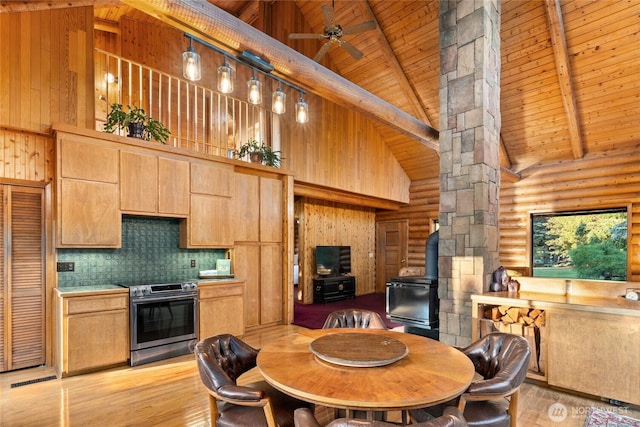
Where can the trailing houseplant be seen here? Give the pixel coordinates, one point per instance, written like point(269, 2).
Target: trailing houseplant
point(258, 152)
point(137, 123)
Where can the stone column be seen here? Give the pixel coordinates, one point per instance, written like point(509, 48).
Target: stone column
point(469, 163)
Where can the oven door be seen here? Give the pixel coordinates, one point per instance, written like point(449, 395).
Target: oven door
point(413, 303)
point(163, 320)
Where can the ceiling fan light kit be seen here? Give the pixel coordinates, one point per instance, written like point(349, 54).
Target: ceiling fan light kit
point(333, 33)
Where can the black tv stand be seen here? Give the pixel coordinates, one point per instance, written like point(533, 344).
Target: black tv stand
point(333, 288)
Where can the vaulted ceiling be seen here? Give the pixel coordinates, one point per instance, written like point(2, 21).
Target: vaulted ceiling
point(570, 74)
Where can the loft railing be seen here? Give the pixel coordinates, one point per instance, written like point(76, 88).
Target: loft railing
point(200, 119)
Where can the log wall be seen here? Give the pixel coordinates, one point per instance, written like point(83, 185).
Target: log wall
point(602, 182)
point(422, 211)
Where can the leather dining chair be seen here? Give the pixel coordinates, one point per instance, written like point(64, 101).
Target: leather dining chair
point(450, 418)
point(354, 318)
point(221, 359)
point(502, 360)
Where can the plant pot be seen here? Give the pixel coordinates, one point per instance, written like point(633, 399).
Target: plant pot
point(255, 158)
point(136, 130)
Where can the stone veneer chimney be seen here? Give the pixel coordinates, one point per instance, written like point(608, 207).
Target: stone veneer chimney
point(469, 162)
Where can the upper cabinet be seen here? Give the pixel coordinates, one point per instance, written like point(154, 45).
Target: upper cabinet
point(87, 196)
point(153, 185)
point(211, 207)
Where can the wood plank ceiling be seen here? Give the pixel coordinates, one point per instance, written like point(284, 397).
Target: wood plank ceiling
point(570, 76)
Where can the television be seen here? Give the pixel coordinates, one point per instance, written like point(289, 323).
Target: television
point(333, 260)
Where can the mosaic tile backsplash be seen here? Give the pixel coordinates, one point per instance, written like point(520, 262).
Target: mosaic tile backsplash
point(149, 254)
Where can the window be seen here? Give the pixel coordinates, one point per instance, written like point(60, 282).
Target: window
point(580, 245)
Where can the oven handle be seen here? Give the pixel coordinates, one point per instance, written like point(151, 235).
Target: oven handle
point(407, 285)
point(138, 300)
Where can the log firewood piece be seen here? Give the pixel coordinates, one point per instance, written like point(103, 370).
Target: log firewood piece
point(514, 313)
point(535, 313)
point(503, 309)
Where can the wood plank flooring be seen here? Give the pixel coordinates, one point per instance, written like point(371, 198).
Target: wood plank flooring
point(169, 393)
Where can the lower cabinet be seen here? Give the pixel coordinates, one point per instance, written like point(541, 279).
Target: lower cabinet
point(92, 332)
point(326, 289)
point(221, 307)
point(595, 353)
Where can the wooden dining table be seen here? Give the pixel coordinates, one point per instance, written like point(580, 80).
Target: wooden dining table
point(361, 371)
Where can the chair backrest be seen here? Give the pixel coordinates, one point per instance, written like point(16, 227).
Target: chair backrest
point(354, 318)
point(502, 359)
point(451, 418)
point(222, 359)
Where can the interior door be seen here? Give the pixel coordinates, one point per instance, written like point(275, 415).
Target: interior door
point(391, 250)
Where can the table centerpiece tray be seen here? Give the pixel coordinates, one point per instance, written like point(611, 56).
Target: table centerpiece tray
point(358, 349)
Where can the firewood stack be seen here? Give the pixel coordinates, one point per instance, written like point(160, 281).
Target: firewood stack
point(526, 322)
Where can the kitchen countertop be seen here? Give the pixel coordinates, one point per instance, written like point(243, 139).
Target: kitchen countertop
point(95, 289)
point(561, 301)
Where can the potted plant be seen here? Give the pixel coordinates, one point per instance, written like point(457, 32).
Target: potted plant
point(137, 123)
point(259, 152)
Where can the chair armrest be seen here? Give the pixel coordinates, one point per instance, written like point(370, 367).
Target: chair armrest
point(303, 417)
point(240, 393)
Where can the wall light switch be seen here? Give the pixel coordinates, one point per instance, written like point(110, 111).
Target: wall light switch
point(193, 263)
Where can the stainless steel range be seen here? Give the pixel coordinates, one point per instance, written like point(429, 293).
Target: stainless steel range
point(163, 320)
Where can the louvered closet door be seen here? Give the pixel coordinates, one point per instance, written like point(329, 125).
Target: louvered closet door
point(22, 306)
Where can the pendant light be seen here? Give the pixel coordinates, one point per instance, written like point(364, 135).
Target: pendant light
point(225, 77)
point(254, 90)
point(191, 63)
point(279, 100)
point(302, 110)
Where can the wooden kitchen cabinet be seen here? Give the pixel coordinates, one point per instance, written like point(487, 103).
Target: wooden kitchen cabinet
point(246, 202)
point(261, 266)
point(87, 196)
point(93, 331)
point(153, 185)
point(271, 210)
point(221, 308)
point(210, 208)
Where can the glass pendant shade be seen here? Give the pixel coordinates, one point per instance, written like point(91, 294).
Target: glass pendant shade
point(279, 101)
point(191, 64)
point(254, 91)
point(302, 111)
point(225, 78)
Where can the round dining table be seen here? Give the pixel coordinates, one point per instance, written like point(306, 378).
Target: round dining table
point(370, 369)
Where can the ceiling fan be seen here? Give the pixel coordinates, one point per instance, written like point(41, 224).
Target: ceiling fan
point(333, 32)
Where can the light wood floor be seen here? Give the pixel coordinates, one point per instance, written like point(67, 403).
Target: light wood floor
point(169, 393)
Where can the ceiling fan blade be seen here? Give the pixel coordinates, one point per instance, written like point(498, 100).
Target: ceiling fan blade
point(351, 50)
point(323, 50)
point(306, 36)
point(358, 28)
point(328, 16)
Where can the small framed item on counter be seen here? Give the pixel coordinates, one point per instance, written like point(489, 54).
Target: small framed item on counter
point(223, 266)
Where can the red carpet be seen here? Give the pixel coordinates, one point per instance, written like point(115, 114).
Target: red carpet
point(312, 316)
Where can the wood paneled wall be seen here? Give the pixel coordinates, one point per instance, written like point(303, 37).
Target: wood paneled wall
point(328, 223)
point(46, 64)
point(26, 155)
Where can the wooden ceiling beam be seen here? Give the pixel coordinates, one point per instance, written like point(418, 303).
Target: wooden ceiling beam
point(218, 27)
point(563, 70)
point(391, 59)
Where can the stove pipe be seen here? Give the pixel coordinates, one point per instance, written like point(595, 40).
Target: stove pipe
point(431, 256)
